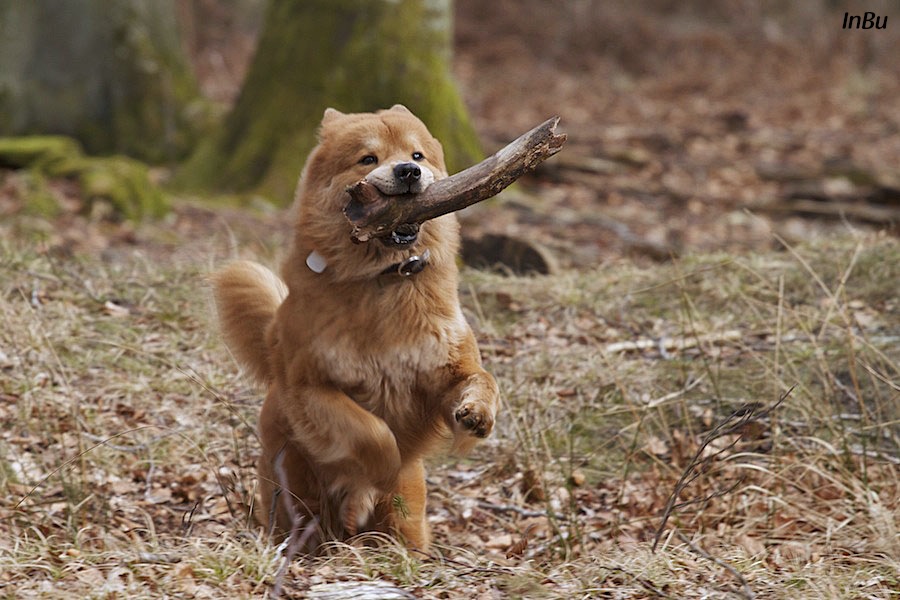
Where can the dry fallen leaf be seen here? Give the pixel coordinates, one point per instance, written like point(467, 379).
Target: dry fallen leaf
point(577, 478)
point(656, 446)
point(519, 547)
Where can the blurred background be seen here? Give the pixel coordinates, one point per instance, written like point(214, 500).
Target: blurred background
point(692, 125)
point(723, 220)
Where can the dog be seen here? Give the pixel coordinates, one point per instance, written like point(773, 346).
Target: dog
point(369, 362)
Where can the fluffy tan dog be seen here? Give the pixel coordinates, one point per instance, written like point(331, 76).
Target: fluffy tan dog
point(369, 362)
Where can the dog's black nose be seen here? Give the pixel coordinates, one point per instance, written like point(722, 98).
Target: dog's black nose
point(407, 172)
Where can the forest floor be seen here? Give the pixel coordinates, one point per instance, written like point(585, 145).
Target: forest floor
point(700, 402)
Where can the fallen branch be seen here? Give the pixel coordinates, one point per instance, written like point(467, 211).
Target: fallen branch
point(666, 345)
point(374, 214)
point(501, 508)
point(858, 210)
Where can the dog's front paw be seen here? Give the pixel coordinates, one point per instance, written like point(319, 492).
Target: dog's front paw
point(475, 416)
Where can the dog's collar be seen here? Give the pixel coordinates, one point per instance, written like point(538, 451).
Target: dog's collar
point(405, 268)
point(411, 266)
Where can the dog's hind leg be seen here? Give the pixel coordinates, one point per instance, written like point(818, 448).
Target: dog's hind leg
point(287, 478)
point(355, 452)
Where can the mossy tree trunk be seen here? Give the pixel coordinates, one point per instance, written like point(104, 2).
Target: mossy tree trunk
point(111, 73)
point(353, 55)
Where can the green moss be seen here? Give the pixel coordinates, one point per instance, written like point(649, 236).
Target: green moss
point(38, 150)
point(122, 183)
point(125, 185)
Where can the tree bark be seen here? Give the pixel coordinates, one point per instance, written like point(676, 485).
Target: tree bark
point(352, 55)
point(110, 73)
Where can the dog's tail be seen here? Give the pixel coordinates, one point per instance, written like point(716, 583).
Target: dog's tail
point(247, 295)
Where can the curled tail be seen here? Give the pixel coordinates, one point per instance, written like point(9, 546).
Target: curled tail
point(247, 295)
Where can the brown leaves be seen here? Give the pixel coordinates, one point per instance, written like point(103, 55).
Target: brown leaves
point(518, 548)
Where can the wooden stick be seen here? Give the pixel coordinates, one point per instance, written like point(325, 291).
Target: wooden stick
point(374, 214)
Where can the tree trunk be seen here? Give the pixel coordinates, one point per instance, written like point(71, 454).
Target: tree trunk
point(353, 55)
point(110, 73)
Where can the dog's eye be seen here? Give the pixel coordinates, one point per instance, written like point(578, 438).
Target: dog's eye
point(369, 159)
point(418, 156)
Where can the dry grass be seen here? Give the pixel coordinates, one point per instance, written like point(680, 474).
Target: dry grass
point(127, 437)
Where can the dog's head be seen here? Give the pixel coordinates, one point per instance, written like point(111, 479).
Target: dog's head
point(393, 150)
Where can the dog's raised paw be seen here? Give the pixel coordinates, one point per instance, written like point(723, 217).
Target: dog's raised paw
point(475, 417)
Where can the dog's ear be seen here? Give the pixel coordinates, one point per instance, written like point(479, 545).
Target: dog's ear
point(401, 109)
point(330, 115)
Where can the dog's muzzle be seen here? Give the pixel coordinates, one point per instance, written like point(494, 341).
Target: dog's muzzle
point(401, 178)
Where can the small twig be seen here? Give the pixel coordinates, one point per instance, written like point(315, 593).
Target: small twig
point(691, 384)
point(705, 499)
point(148, 480)
point(666, 345)
point(880, 376)
point(510, 508)
point(117, 447)
point(298, 537)
point(73, 460)
point(187, 519)
point(732, 424)
point(746, 591)
point(469, 568)
point(296, 541)
point(229, 487)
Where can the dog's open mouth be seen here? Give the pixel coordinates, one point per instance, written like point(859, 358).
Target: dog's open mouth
point(404, 235)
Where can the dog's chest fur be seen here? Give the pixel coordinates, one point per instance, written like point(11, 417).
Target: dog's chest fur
point(395, 363)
